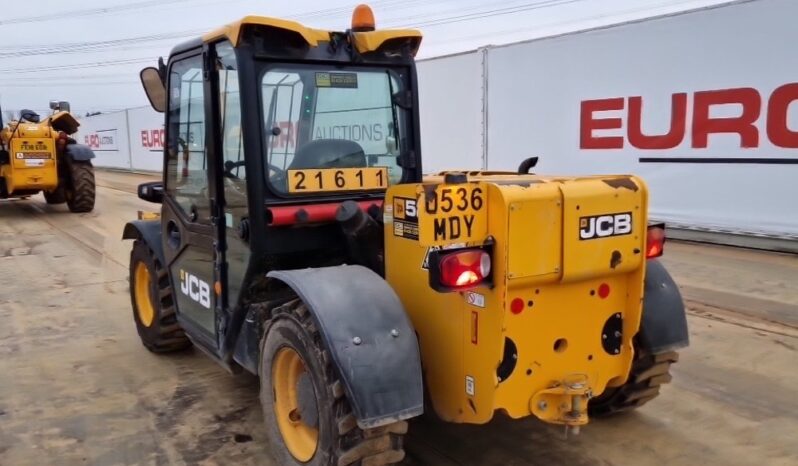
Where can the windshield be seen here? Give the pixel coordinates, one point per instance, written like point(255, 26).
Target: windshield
point(332, 130)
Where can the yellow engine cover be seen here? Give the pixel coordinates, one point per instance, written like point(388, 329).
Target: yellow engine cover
point(32, 158)
point(568, 251)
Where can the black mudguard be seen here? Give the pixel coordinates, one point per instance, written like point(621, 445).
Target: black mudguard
point(79, 152)
point(148, 231)
point(664, 324)
point(349, 304)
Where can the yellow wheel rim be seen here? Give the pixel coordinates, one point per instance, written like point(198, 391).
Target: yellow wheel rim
point(300, 438)
point(141, 290)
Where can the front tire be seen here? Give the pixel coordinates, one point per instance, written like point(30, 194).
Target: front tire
point(153, 304)
point(81, 190)
point(309, 420)
point(649, 372)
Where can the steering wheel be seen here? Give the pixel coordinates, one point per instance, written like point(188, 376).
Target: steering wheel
point(229, 166)
point(275, 171)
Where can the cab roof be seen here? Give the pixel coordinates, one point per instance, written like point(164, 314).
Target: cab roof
point(368, 41)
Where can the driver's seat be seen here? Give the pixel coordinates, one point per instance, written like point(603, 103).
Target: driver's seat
point(329, 153)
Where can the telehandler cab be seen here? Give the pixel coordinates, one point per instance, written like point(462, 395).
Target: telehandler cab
point(40, 156)
point(299, 241)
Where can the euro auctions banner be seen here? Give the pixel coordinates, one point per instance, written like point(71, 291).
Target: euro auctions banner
point(106, 135)
point(147, 139)
point(702, 105)
point(130, 139)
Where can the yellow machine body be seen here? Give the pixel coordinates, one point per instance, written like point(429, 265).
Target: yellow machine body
point(580, 296)
point(33, 153)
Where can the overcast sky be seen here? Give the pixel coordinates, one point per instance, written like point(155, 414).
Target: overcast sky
point(90, 52)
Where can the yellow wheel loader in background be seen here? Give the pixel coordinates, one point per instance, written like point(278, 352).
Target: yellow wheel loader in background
point(40, 156)
point(300, 241)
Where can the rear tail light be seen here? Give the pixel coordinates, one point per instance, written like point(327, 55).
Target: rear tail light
point(459, 269)
point(655, 240)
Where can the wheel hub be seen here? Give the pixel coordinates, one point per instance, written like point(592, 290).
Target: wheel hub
point(295, 405)
point(142, 284)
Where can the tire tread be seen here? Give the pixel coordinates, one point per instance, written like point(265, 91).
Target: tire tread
point(649, 372)
point(82, 190)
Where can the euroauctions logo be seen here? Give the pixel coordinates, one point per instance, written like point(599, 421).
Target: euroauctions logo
point(616, 123)
point(101, 140)
point(152, 138)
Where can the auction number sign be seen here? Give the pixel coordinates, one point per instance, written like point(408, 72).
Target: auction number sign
point(337, 179)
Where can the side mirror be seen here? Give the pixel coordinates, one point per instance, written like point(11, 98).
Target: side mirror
point(154, 88)
point(53, 105)
point(151, 192)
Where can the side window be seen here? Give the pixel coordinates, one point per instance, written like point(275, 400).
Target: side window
point(282, 101)
point(187, 177)
point(234, 170)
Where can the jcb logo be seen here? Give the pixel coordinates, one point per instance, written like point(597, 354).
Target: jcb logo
point(196, 289)
point(602, 226)
point(404, 208)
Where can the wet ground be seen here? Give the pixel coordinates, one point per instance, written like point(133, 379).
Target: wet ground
point(77, 387)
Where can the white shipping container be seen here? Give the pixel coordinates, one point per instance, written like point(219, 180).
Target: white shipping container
point(716, 85)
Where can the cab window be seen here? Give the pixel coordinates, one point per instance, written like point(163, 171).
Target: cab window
point(331, 130)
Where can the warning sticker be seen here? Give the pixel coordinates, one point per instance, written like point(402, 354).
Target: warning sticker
point(475, 299)
point(405, 229)
point(469, 385)
point(344, 80)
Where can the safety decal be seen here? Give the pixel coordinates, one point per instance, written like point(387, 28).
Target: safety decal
point(342, 80)
point(469, 386)
point(405, 218)
point(475, 299)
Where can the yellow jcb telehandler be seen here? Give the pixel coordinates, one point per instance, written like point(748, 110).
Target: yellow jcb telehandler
point(38, 155)
point(299, 241)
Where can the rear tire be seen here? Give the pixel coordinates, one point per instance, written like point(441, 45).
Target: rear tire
point(649, 372)
point(313, 424)
point(81, 190)
point(153, 304)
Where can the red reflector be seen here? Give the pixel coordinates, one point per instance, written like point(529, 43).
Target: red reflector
point(655, 241)
point(464, 269)
point(517, 305)
point(603, 290)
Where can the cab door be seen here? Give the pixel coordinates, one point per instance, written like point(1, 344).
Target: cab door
point(190, 237)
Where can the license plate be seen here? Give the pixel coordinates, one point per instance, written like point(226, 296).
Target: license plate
point(316, 180)
point(33, 147)
point(451, 214)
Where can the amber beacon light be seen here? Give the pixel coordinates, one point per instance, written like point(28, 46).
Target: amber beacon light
point(362, 19)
